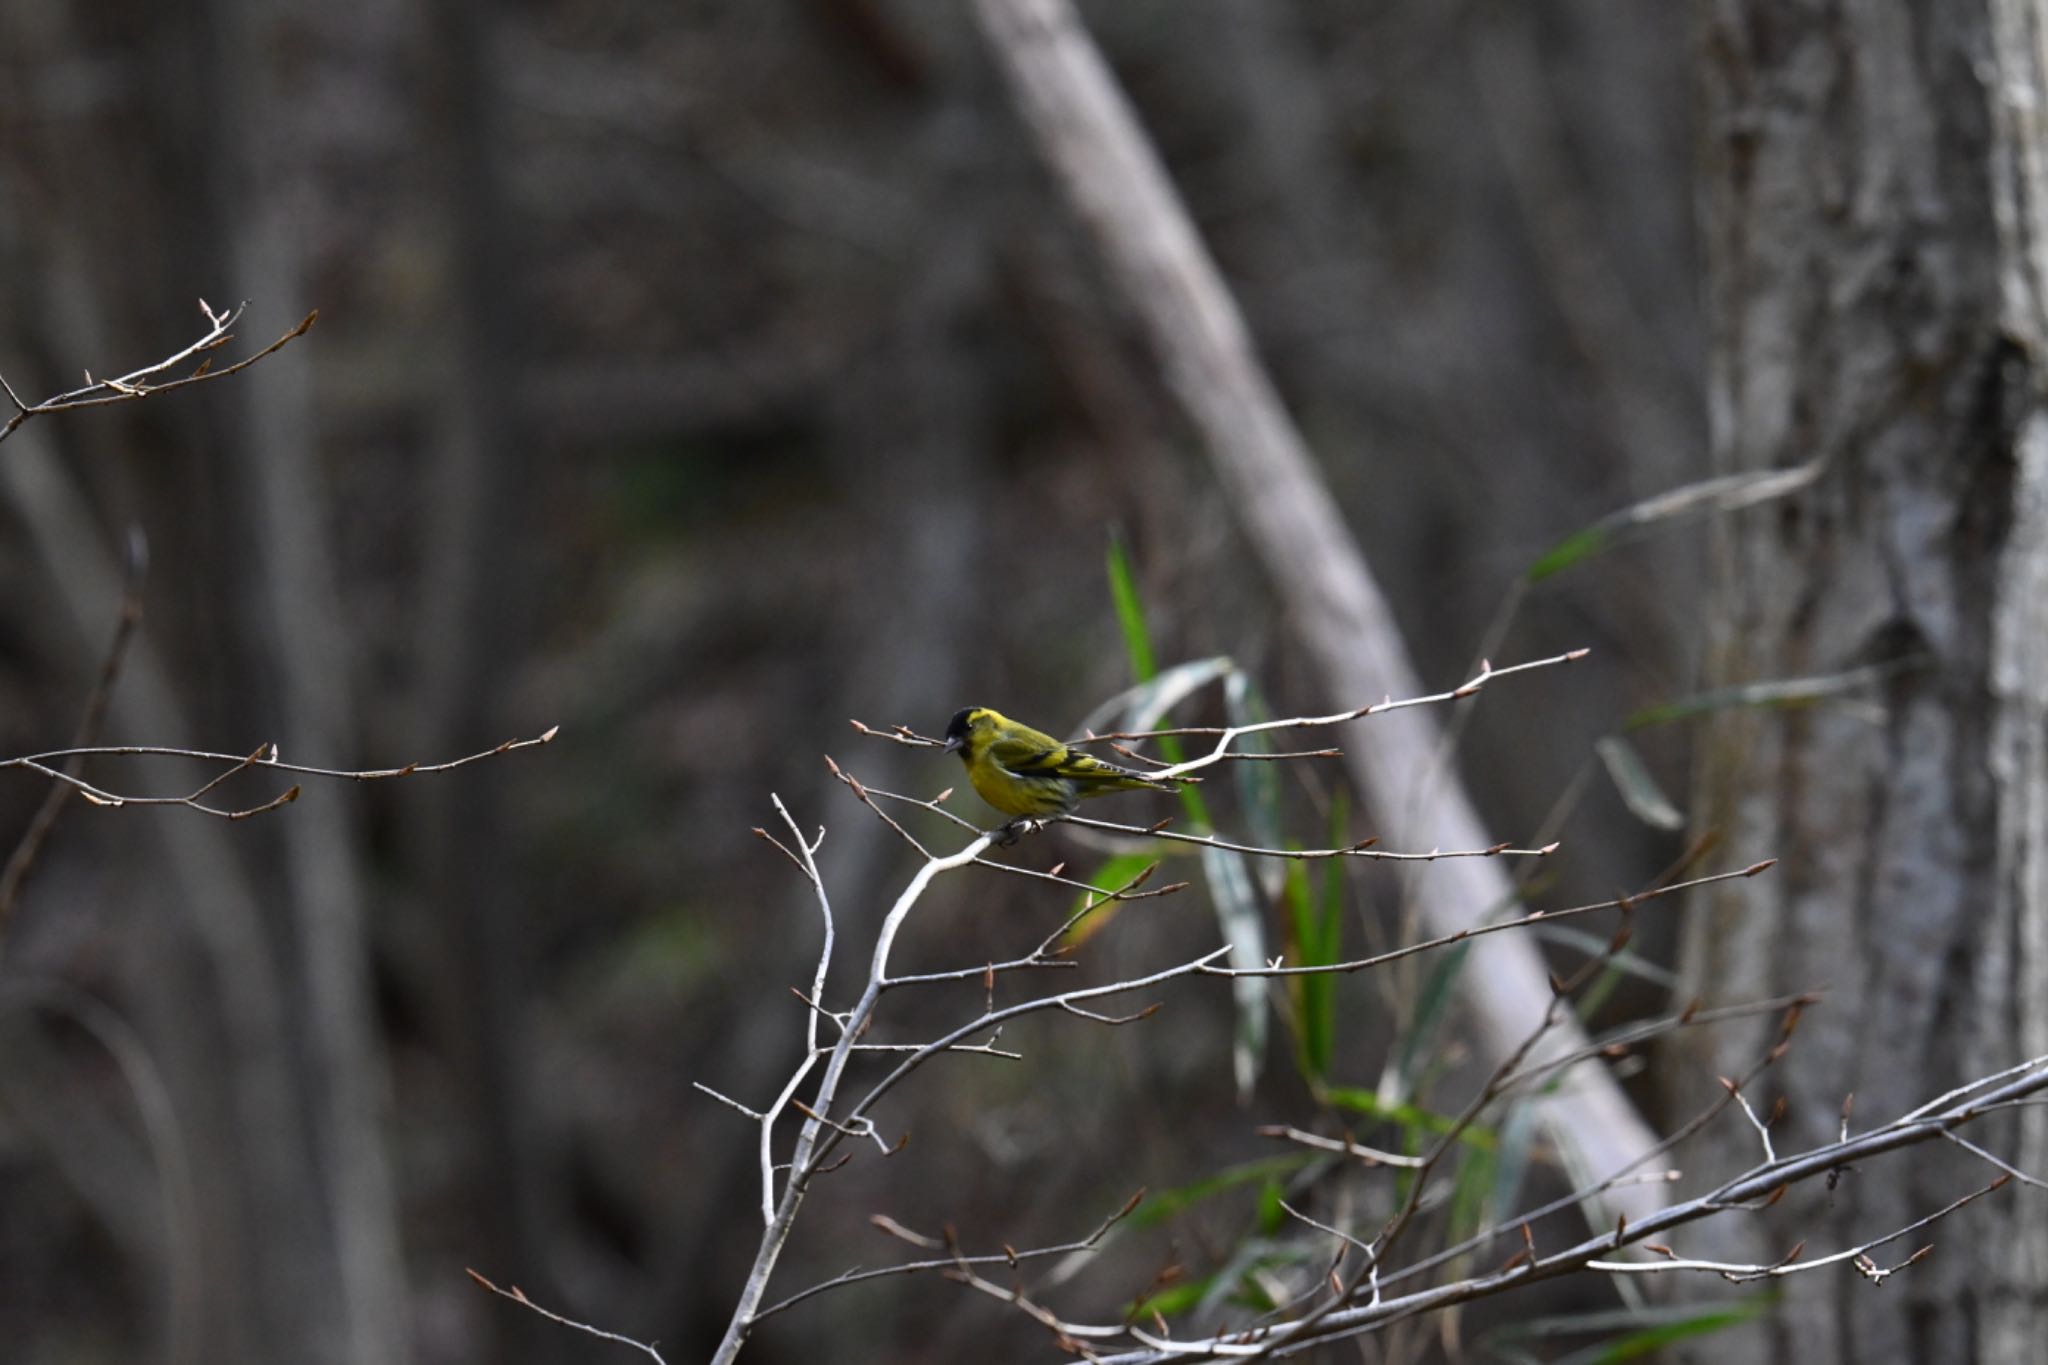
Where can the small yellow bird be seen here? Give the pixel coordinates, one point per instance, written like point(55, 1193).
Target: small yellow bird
point(1030, 775)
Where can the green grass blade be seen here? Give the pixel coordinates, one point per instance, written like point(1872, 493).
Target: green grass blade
point(1114, 873)
point(1130, 611)
point(1240, 912)
point(1166, 1204)
point(1411, 1116)
point(1639, 790)
point(1418, 1041)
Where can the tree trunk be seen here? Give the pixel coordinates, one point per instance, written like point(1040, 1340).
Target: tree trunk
point(1873, 182)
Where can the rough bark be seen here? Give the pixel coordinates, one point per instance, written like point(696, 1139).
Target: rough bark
point(1873, 183)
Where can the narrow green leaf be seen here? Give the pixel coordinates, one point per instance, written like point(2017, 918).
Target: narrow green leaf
point(1641, 1326)
point(1258, 784)
point(1240, 915)
point(1780, 693)
point(1724, 493)
point(1517, 1144)
point(1166, 1204)
point(1408, 1115)
point(1418, 1040)
point(1651, 1340)
point(1314, 1012)
point(1318, 933)
point(1271, 1215)
point(1173, 1300)
point(1632, 963)
point(1144, 704)
point(1130, 613)
point(1639, 790)
point(1581, 544)
point(1471, 1189)
point(1112, 875)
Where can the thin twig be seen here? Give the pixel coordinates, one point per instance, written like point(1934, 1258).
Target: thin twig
point(518, 1296)
point(91, 718)
point(263, 758)
point(1362, 849)
point(142, 383)
point(1005, 1257)
point(1371, 1156)
point(1521, 922)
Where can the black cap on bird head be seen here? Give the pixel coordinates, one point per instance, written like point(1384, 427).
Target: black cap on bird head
point(957, 728)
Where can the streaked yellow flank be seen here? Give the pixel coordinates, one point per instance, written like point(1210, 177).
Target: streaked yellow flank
point(1030, 775)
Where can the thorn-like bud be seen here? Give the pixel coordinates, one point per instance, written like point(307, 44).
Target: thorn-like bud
point(1057, 868)
point(1577, 654)
point(1764, 866)
point(833, 766)
point(548, 735)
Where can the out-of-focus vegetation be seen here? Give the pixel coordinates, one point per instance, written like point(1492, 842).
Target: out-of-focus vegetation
point(698, 378)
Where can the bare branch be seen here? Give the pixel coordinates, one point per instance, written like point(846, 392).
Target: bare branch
point(264, 758)
point(1362, 849)
point(1534, 917)
point(1005, 1257)
point(93, 716)
point(144, 383)
point(1742, 1274)
point(518, 1296)
point(1371, 1156)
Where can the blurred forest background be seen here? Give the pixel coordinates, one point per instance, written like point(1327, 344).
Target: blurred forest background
point(698, 378)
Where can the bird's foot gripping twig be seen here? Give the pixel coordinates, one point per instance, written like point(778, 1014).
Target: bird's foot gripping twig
point(1010, 833)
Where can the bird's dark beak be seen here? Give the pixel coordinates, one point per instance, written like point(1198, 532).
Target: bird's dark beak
point(953, 742)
